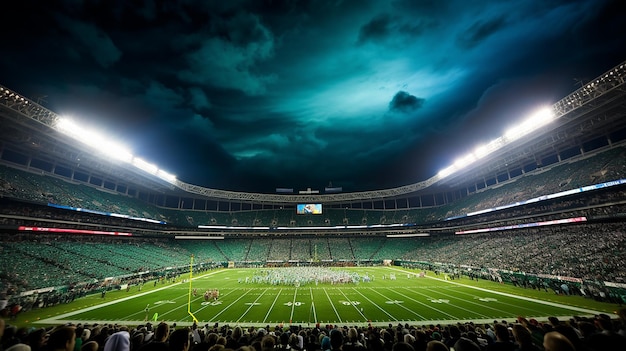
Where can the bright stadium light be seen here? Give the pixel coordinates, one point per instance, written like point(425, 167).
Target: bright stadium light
point(86, 136)
point(464, 161)
point(484, 150)
point(146, 166)
point(94, 139)
point(512, 134)
point(534, 122)
point(166, 176)
point(117, 152)
point(481, 151)
point(110, 148)
point(446, 171)
point(68, 126)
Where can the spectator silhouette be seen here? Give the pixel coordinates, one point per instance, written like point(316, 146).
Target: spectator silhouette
point(555, 341)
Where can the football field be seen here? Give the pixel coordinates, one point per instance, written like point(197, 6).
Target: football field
point(269, 296)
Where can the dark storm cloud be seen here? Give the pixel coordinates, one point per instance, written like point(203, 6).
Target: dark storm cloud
point(480, 30)
point(226, 56)
point(90, 40)
point(387, 28)
point(253, 95)
point(378, 28)
point(198, 98)
point(405, 102)
point(424, 7)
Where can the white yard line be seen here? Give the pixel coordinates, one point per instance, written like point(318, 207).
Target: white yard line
point(293, 304)
point(430, 307)
point(333, 306)
point(251, 305)
point(313, 306)
point(269, 310)
point(398, 304)
point(457, 307)
point(483, 306)
point(497, 302)
point(373, 303)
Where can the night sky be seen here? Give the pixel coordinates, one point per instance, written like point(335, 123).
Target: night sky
point(255, 95)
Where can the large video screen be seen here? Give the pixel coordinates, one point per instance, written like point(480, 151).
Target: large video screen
point(309, 209)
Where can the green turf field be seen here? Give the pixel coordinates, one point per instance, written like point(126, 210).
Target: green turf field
point(408, 298)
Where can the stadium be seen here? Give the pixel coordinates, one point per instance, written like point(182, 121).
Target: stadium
point(527, 227)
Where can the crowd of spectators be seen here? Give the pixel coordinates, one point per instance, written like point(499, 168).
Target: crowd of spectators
point(606, 166)
point(600, 333)
point(609, 165)
point(586, 251)
point(590, 252)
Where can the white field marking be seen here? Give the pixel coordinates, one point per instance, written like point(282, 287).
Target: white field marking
point(272, 306)
point(499, 302)
point(477, 304)
point(354, 304)
point(60, 318)
point(333, 306)
point(313, 306)
point(548, 303)
point(251, 305)
point(293, 303)
point(373, 303)
point(427, 306)
point(457, 306)
point(401, 305)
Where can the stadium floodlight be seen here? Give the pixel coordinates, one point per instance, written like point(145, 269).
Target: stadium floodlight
point(464, 161)
point(67, 126)
point(446, 171)
point(118, 152)
point(83, 135)
point(109, 148)
point(145, 166)
point(513, 134)
point(534, 122)
point(484, 150)
point(481, 151)
point(94, 139)
point(166, 176)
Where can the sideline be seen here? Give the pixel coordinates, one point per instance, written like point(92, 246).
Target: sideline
point(530, 299)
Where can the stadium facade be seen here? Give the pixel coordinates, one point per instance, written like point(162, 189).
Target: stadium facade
point(568, 176)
